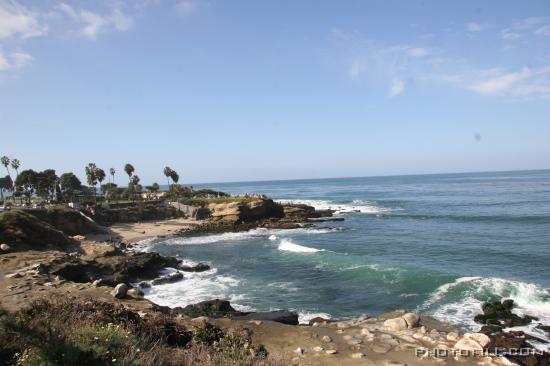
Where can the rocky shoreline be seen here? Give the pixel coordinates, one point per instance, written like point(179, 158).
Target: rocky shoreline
point(39, 260)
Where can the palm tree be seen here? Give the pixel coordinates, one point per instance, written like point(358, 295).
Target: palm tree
point(15, 164)
point(112, 172)
point(129, 169)
point(168, 173)
point(5, 162)
point(100, 175)
point(91, 176)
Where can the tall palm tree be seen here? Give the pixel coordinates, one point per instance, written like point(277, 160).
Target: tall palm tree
point(91, 177)
point(129, 169)
point(100, 175)
point(5, 162)
point(112, 172)
point(168, 173)
point(15, 164)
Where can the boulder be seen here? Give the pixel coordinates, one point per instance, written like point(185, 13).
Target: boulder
point(411, 319)
point(279, 316)
point(170, 278)
point(144, 265)
point(482, 339)
point(5, 247)
point(144, 284)
point(120, 291)
point(201, 267)
point(212, 308)
point(468, 344)
point(135, 293)
point(396, 324)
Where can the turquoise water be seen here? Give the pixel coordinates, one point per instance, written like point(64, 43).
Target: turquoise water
point(440, 244)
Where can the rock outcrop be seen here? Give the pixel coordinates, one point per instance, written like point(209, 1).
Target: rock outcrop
point(246, 211)
point(20, 229)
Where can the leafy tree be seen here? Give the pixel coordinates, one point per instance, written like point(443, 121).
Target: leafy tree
point(153, 188)
point(109, 189)
point(46, 184)
point(69, 184)
point(134, 183)
point(26, 183)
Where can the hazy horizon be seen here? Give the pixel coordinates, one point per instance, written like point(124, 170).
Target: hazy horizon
point(248, 91)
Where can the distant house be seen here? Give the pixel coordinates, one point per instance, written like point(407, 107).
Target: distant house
point(153, 195)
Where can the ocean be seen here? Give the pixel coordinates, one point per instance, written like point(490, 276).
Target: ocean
point(438, 244)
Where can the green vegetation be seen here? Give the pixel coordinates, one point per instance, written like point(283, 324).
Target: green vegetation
point(90, 332)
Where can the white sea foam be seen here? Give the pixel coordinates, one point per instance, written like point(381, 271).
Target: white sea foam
point(356, 206)
point(196, 287)
point(288, 246)
point(461, 300)
point(271, 234)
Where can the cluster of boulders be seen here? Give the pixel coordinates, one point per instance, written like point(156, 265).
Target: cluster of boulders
point(498, 315)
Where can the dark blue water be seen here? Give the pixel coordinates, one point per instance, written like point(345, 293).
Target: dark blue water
point(441, 244)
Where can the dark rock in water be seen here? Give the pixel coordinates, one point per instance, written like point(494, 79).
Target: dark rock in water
point(544, 328)
point(201, 267)
point(144, 284)
point(326, 219)
point(144, 265)
point(318, 319)
point(508, 304)
point(212, 308)
point(500, 314)
point(172, 277)
point(279, 316)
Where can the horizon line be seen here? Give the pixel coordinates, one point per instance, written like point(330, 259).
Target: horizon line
point(368, 176)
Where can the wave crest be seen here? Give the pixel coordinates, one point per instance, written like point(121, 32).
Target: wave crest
point(288, 246)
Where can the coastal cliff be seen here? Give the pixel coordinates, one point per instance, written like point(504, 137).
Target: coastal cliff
point(43, 266)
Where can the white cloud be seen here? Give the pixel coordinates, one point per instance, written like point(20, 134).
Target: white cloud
point(524, 83)
point(509, 34)
point(397, 87)
point(341, 34)
point(186, 7)
point(14, 60)
point(93, 23)
point(16, 20)
point(543, 31)
point(417, 52)
point(356, 69)
point(475, 27)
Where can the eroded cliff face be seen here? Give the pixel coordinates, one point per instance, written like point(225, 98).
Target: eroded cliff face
point(246, 211)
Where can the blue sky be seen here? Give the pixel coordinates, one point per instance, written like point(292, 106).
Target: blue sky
point(256, 90)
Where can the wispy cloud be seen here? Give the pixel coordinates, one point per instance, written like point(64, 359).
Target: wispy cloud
point(189, 7)
point(476, 27)
point(497, 82)
point(342, 34)
point(417, 52)
point(16, 20)
point(92, 23)
point(14, 60)
point(397, 87)
point(543, 31)
point(356, 68)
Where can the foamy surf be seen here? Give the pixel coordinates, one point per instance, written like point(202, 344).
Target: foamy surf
point(459, 301)
point(197, 287)
point(270, 234)
point(359, 206)
point(288, 246)
point(305, 317)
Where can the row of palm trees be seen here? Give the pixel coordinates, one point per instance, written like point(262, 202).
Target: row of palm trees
point(94, 176)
